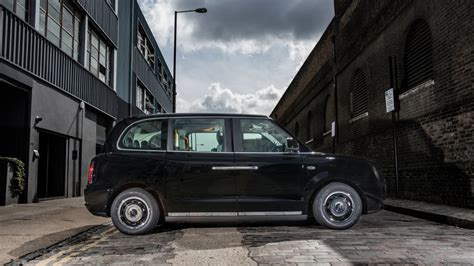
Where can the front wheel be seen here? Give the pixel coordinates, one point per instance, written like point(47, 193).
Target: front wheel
point(135, 211)
point(337, 206)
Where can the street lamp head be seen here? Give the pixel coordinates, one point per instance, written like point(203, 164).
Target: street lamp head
point(201, 10)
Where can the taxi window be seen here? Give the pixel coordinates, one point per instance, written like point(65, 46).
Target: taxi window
point(199, 135)
point(147, 135)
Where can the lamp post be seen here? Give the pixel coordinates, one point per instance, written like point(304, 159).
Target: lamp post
point(197, 10)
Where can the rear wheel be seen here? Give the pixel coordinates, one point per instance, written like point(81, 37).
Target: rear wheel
point(135, 211)
point(337, 206)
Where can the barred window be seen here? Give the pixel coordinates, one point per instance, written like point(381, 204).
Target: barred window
point(358, 94)
point(418, 54)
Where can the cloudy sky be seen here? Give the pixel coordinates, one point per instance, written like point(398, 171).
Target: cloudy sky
point(241, 55)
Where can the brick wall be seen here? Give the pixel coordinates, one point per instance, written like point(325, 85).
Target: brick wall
point(435, 122)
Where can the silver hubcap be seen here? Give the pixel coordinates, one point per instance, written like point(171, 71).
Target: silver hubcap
point(338, 206)
point(133, 212)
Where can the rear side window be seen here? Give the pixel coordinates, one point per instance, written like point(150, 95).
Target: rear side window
point(147, 135)
point(199, 135)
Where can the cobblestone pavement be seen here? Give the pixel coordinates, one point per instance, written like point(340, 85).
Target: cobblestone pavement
point(384, 237)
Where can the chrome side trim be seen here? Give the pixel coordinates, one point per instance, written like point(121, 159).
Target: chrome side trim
point(270, 213)
point(233, 168)
point(246, 168)
point(232, 214)
point(223, 168)
point(202, 214)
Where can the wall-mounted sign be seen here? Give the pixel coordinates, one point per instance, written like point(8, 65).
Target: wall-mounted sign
point(389, 100)
point(333, 129)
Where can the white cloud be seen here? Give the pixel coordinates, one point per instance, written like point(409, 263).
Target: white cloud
point(223, 100)
point(160, 17)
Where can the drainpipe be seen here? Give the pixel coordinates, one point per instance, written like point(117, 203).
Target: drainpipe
point(393, 83)
point(132, 46)
point(336, 112)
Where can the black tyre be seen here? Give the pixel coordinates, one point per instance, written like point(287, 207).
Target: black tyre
point(337, 206)
point(135, 211)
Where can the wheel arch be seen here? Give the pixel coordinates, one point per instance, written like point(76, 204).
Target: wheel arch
point(308, 201)
point(156, 195)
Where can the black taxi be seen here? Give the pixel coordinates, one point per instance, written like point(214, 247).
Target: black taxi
point(156, 166)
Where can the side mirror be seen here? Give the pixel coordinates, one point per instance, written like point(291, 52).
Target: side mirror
point(292, 145)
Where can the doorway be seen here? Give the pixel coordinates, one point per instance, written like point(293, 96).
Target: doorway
point(52, 166)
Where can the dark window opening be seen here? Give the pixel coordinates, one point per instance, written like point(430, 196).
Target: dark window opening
point(358, 94)
point(418, 54)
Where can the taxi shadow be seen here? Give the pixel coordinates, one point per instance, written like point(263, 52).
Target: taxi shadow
point(260, 232)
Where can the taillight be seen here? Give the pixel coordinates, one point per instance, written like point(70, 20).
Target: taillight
point(91, 173)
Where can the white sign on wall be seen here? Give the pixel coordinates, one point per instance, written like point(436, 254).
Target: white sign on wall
point(333, 129)
point(389, 100)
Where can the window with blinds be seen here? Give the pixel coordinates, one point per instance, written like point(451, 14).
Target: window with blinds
point(418, 54)
point(358, 94)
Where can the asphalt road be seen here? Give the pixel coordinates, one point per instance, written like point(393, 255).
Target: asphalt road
point(384, 237)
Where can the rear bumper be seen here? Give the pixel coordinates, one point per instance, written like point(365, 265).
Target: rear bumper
point(97, 201)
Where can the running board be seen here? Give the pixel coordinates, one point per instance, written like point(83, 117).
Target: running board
point(231, 214)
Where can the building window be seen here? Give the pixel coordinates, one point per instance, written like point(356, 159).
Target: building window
point(418, 54)
point(145, 46)
point(144, 100)
point(98, 57)
point(19, 7)
point(309, 126)
point(358, 94)
point(60, 22)
point(160, 68)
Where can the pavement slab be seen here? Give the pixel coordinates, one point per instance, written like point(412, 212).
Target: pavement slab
point(25, 228)
point(460, 217)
